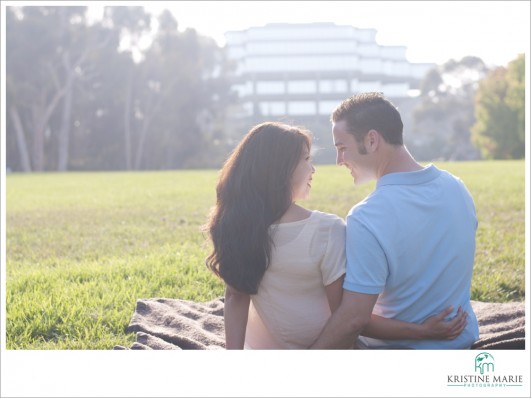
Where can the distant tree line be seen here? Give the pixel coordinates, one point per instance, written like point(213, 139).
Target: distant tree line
point(76, 101)
point(467, 111)
point(79, 98)
point(499, 130)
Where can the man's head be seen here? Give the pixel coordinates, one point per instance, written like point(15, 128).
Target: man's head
point(370, 111)
point(365, 127)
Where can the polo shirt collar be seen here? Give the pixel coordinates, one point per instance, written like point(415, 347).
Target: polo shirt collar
point(425, 175)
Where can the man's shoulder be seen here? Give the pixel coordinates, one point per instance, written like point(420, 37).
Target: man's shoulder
point(449, 177)
point(374, 202)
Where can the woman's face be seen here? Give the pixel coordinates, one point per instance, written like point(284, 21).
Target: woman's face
point(302, 177)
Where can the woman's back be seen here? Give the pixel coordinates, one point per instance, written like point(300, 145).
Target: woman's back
point(291, 305)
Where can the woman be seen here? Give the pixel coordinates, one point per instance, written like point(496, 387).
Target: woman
point(283, 265)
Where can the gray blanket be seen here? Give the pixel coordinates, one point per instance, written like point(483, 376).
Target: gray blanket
point(173, 324)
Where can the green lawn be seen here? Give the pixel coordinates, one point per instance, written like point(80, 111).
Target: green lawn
point(83, 247)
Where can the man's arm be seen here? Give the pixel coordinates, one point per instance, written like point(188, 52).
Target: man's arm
point(433, 328)
point(347, 322)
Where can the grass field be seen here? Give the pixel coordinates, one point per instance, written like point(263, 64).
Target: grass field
point(83, 247)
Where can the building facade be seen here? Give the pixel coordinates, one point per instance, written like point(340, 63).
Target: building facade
point(299, 73)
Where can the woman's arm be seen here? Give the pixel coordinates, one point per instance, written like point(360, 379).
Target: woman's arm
point(433, 328)
point(235, 314)
point(334, 292)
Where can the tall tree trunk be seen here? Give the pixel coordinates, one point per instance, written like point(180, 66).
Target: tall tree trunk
point(41, 116)
point(21, 140)
point(64, 133)
point(153, 105)
point(143, 132)
point(141, 142)
point(127, 121)
point(38, 138)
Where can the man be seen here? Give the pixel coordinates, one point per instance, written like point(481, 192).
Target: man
point(410, 243)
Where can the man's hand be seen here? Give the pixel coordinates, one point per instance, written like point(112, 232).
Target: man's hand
point(437, 328)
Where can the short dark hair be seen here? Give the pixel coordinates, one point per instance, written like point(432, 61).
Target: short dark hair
point(370, 111)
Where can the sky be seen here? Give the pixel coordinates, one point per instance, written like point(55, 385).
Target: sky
point(432, 31)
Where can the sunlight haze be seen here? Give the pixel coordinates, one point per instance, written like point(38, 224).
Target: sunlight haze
point(432, 31)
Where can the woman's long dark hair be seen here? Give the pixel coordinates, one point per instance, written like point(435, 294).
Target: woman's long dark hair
point(253, 191)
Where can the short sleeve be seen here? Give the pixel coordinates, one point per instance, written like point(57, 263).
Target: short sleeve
point(334, 260)
point(367, 268)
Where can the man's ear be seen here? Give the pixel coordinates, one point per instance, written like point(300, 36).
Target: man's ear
point(372, 141)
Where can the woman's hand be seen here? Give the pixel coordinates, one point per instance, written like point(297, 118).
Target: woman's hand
point(436, 328)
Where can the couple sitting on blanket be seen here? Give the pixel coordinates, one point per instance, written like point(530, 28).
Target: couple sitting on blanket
point(396, 275)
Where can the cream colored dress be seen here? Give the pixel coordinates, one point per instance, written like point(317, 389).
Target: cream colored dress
point(291, 306)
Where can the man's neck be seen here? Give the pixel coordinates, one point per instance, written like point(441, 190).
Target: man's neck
point(397, 159)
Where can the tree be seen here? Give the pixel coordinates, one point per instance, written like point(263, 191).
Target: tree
point(443, 120)
point(47, 51)
point(33, 92)
point(79, 42)
point(500, 112)
point(135, 24)
point(182, 91)
point(76, 100)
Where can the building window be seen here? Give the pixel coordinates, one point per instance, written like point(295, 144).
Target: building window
point(302, 87)
point(243, 110)
point(371, 66)
point(327, 107)
point(272, 87)
point(272, 108)
point(396, 89)
point(369, 86)
point(302, 108)
point(396, 68)
point(333, 86)
point(291, 48)
point(303, 63)
point(244, 89)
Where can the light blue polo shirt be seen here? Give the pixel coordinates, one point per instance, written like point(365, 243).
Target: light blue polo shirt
point(412, 241)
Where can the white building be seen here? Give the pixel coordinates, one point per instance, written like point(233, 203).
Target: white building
point(299, 73)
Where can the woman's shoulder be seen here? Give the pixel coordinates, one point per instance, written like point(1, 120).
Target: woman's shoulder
point(295, 215)
point(328, 219)
point(328, 227)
